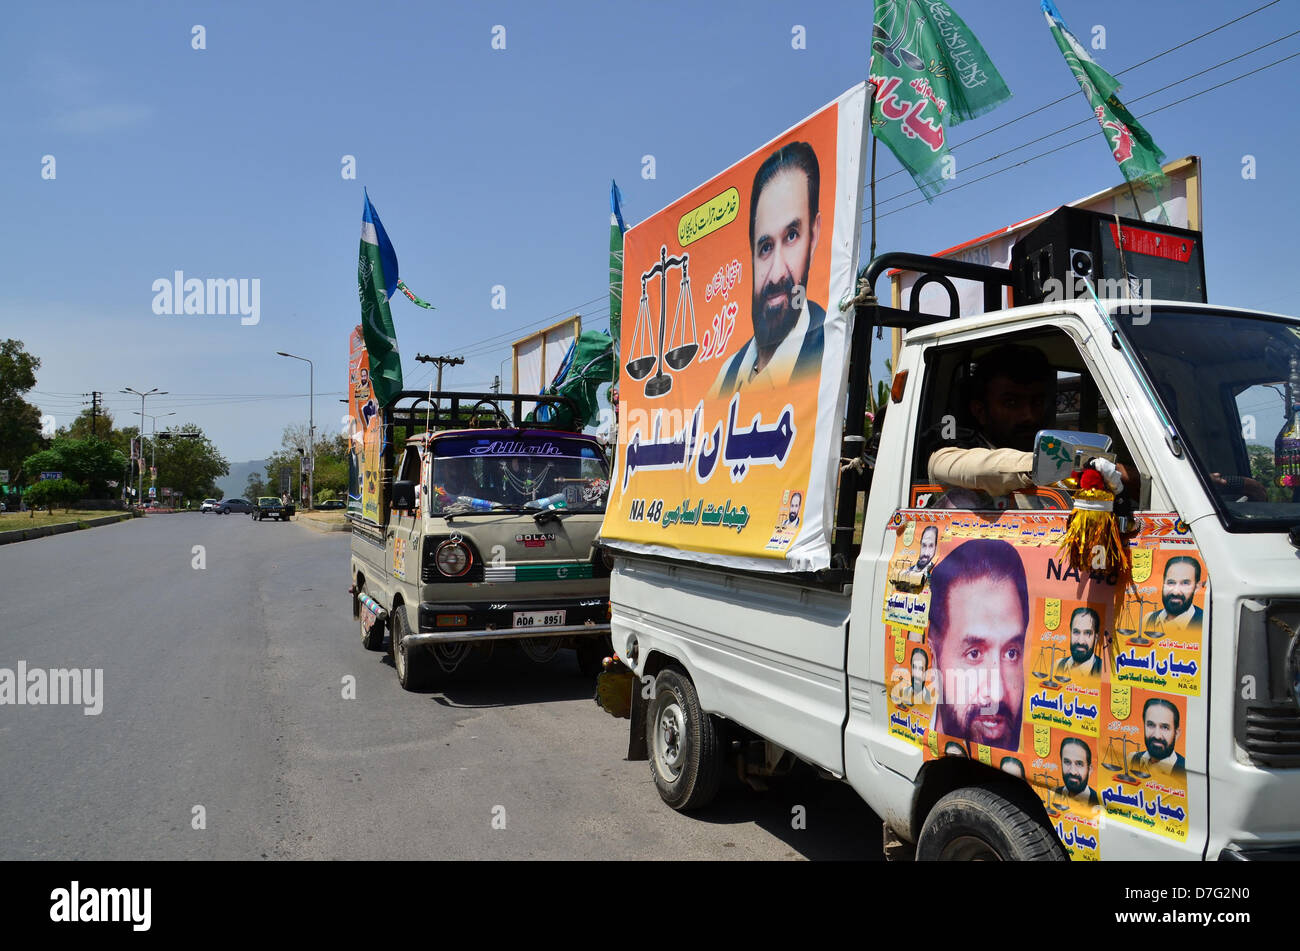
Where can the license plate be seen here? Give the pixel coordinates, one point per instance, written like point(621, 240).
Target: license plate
point(539, 618)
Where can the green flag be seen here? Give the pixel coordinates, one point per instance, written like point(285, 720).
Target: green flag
point(376, 318)
point(616, 229)
point(927, 68)
point(1139, 157)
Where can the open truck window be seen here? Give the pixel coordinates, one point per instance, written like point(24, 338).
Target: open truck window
point(997, 394)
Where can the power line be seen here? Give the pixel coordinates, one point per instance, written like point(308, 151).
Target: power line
point(1090, 119)
point(1091, 136)
point(1075, 92)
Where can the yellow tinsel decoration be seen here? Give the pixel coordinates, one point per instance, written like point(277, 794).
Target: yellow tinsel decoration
point(1092, 526)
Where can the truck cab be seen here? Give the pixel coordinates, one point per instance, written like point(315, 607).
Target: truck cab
point(487, 534)
point(983, 696)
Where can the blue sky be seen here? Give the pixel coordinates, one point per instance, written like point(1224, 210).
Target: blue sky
point(492, 167)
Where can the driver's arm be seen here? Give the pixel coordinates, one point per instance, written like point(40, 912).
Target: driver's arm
point(995, 471)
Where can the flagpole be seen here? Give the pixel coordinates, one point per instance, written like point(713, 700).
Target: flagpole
point(871, 112)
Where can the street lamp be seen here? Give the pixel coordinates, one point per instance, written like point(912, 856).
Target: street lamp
point(311, 424)
point(154, 392)
point(153, 441)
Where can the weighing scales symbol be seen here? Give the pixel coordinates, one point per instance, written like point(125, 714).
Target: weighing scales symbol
point(1046, 677)
point(1120, 767)
point(1053, 806)
point(681, 347)
point(1134, 628)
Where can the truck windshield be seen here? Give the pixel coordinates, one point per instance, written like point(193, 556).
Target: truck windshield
point(528, 471)
point(1230, 383)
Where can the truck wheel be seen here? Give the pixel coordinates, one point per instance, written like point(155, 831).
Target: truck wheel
point(414, 665)
point(685, 756)
point(982, 824)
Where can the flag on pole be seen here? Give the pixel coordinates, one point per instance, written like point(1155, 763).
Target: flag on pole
point(1139, 158)
point(928, 69)
point(616, 229)
point(376, 281)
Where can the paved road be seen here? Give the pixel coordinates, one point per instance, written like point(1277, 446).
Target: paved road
point(223, 689)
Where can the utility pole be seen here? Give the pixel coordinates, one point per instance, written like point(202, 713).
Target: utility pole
point(311, 429)
point(441, 362)
point(95, 397)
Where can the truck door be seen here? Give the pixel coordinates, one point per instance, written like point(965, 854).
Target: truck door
point(984, 643)
point(403, 535)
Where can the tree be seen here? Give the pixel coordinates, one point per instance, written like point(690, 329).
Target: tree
point(81, 427)
point(189, 463)
point(20, 421)
point(254, 488)
point(91, 462)
point(331, 473)
point(51, 492)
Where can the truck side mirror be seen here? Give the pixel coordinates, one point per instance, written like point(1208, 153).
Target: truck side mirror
point(404, 496)
point(1059, 452)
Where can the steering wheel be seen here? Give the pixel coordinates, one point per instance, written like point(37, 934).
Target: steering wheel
point(495, 412)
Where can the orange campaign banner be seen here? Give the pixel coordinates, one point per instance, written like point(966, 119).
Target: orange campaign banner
point(732, 399)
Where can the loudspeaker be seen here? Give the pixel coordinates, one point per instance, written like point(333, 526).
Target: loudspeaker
point(1120, 257)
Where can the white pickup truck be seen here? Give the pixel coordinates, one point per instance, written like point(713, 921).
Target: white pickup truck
point(982, 697)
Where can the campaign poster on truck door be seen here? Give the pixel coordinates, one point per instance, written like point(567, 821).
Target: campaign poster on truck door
point(997, 651)
point(732, 375)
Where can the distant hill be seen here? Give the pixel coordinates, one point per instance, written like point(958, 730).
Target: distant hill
point(233, 484)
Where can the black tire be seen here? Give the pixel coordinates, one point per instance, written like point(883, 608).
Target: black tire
point(685, 754)
point(415, 668)
point(984, 823)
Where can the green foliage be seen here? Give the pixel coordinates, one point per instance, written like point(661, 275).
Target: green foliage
point(331, 474)
point(190, 463)
point(1263, 471)
point(20, 421)
point(52, 492)
point(89, 461)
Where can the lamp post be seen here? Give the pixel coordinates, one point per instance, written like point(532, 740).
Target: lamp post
point(140, 480)
point(153, 440)
point(311, 424)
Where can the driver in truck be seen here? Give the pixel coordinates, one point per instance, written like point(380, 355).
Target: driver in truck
point(1011, 400)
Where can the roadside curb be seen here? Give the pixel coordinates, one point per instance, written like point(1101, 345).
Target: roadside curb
point(323, 529)
point(23, 534)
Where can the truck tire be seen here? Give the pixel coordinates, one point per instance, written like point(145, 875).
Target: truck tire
point(982, 823)
point(685, 754)
point(415, 668)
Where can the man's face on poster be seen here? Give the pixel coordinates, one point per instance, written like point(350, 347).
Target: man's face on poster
point(918, 672)
point(929, 542)
point(1180, 586)
point(981, 657)
point(1074, 767)
point(785, 235)
point(1083, 638)
point(1159, 731)
point(796, 502)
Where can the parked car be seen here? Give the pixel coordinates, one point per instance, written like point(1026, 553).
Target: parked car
point(268, 506)
point(226, 506)
point(208, 505)
point(333, 505)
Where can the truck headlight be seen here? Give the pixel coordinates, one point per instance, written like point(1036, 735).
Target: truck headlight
point(453, 558)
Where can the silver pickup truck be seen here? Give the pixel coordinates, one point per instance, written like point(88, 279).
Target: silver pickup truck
point(488, 533)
